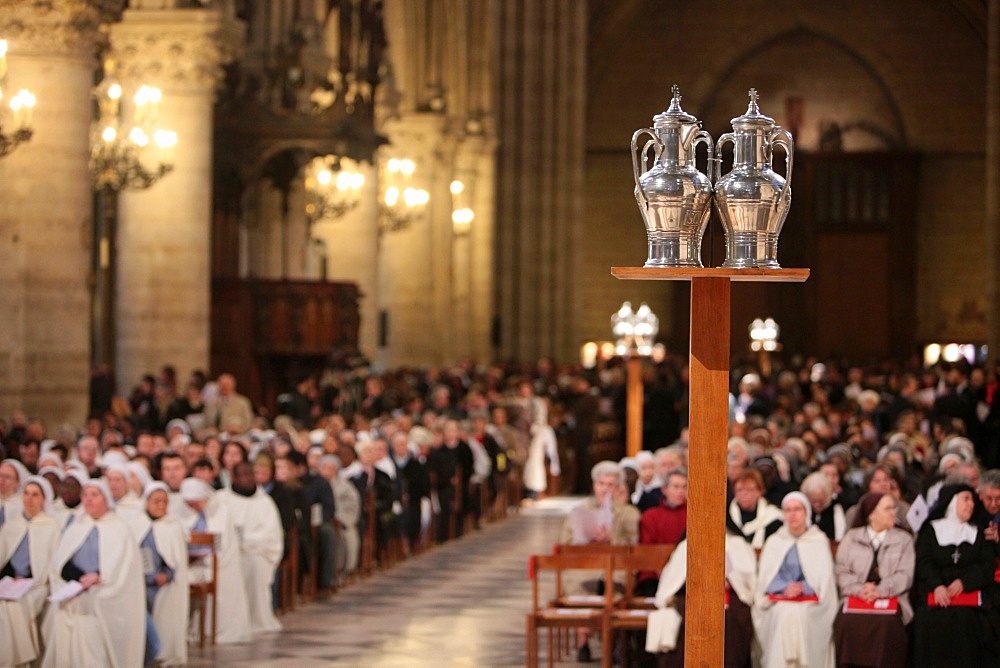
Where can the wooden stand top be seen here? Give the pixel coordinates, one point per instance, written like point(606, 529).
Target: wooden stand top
point(688, 273)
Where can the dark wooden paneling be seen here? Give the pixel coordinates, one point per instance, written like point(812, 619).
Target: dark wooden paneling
point(267, 332)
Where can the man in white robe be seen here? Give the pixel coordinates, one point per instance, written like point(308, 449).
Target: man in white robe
point(209, 514)
point(105, 623)
point(258, 525)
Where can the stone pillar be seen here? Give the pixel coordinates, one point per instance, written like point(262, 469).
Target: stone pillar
point(541, 133)
point(45, 214)
point(993, 174)
point(164, 233)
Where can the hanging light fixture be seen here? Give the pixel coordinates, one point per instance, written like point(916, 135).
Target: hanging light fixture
point(129, 151)
point(21, 105)
point(462, 214)
point(402, 203)
point(334, 187)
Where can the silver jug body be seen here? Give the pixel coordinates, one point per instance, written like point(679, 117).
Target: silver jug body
point(752, 199)
point(675, 199)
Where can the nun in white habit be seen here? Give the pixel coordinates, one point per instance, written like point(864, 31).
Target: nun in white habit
point(209, 514)
point(12, 475)
point(163, 547)
point(105, 623)
point(26, 546)
point(795, 601)
point(663, 630)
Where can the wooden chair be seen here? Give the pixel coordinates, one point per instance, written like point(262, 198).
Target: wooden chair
point(366, 562)
point(201, 591)
point(633, 613)
point(555, 617)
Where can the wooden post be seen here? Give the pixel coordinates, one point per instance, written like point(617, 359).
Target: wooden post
point(704, 625)
point(633, 406)
point(709, 422)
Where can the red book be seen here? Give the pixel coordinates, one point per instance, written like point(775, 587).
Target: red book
point(727, 599)
point(811, 598)
point(967, 599)
point(880, 606)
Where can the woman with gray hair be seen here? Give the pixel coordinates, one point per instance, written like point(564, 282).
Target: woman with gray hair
point(827, 515)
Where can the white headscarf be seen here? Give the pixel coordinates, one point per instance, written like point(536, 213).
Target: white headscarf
point(801, 498)
point(193, 489)
point(152, 487)
point(22, 471)
point(102, 486)
point(952, 531)
point(46, 488)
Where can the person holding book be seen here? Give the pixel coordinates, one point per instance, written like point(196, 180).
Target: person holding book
point(98, 617)
point(953, 565)
point(26, 546)
point(874, 569)
point(795, 599)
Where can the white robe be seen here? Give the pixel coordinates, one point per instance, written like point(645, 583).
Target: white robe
point(234, 618)
point(105, 625)
point(664, 623)
point(19, 620)
point(543, 442)
point(791, 633)
point(129, 505)
point(258, 525)
point(13, 507)
point(348, 505)
point(755, 529)
point(170, 607)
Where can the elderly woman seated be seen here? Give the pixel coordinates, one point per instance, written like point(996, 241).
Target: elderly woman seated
point(874, 572)
point(665, 628)
point(827, 514)
point(97, 569)
point(601, 518)
point(26, 546)
point(795, 601)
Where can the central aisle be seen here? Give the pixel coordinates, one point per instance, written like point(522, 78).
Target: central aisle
point(460, 604)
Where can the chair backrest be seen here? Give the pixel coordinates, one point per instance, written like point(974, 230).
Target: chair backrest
point(566, 562)
point(641, 558)
point(206, 542)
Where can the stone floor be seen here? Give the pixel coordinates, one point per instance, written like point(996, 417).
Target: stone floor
point(461, 604)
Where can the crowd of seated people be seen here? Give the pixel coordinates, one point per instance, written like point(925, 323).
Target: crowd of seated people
point(363, 469)
point(105, 518)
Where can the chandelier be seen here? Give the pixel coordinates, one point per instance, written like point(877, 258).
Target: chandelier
point(334, 187)
point(21, 106)
point(402, 203)
point(634, 331)
point(128, 150)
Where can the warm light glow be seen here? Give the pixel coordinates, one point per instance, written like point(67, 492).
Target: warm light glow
point(343, 181)
point(109, 134)
point(3, 48)
point(165, 138)
point(406, 166)
point(588, 355)
point(393, 165)
point(391, 196)
point(951, 353)
point(764, 335)
point(357, 181)
point(607, 350)
point(144, 95)
point(457, 187)
point(115, 91)
point(462, 216)
point(138, 137)
point(932, 353)
point(324, 177)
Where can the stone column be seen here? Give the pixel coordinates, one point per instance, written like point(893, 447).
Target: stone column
point(45, 214)
point(164, 233)
point(541, 124)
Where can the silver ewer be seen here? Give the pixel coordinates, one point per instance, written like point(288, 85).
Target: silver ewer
point(753, 199)
point(675, 199)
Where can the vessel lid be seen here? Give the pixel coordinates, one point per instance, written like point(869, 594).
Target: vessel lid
point(753, 117)
point(674, 115)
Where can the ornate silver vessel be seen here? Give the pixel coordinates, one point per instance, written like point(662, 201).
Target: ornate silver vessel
point(673, 196)
point(753, 199)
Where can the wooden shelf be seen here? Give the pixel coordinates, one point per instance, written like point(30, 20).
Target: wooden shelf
point(688, 273)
